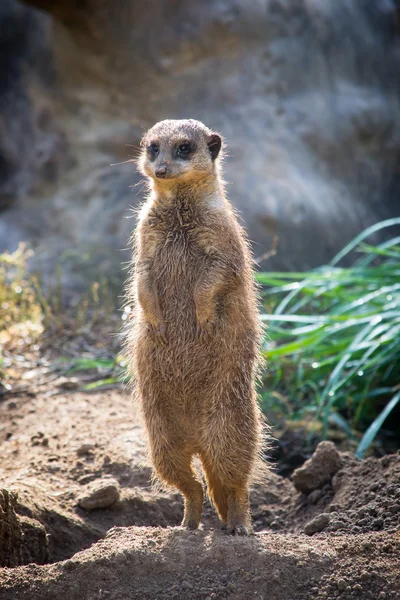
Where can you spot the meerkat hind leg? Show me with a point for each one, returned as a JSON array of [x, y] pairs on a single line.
[[231, 501], [239, 521], [217, 492], [174, 467]]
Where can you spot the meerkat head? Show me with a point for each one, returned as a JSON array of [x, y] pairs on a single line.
[[179, 151]]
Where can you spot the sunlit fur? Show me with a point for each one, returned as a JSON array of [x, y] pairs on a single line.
[[193, 346]]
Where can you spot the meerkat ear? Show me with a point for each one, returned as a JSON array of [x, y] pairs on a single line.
[[214, 145]]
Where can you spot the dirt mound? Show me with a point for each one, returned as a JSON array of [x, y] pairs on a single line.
[[22, 540], [340, 539], [173, 564]]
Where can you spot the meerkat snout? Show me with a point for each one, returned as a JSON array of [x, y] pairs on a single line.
[[161, 172]]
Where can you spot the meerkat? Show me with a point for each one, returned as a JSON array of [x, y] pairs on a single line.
[[195, 338]]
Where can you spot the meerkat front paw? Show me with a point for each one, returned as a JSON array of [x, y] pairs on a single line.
[[191, 524]]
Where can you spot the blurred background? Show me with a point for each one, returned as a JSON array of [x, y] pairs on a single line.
[[306, 94]]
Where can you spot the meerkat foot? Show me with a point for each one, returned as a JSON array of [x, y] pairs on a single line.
[[190, 525], [239, 529]]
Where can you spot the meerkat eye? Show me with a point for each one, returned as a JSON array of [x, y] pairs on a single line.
[[183, 149], [154, 148]]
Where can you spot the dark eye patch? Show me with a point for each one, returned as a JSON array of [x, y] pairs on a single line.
[[153, 150], [184, 149]]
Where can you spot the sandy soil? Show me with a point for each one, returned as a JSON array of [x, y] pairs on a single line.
[[63, 450]]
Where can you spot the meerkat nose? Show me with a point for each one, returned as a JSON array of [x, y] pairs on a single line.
[[161, 172]]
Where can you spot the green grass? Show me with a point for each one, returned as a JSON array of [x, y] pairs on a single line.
[[333, 339], [108, 371]]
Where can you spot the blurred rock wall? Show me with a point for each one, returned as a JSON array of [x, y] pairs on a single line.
[[305, 92]]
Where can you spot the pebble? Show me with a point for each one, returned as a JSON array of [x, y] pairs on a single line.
[[186, 585], [314, 496], [317, 524], [100, 494], [341, 585], [85, 449], [335, 525], [68, 384]]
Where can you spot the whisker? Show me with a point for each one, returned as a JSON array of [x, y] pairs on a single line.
[[122, 163]]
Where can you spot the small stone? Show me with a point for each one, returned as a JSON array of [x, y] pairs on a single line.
[[68, 384], [231, 587], [335, 525], [186, 585], [382, 595], [314, 496], [12, 405], [85, 449], [318, 469], [100, 494], [317, 524], [341, 585], [53, 468], [377, 523], [69, 565]]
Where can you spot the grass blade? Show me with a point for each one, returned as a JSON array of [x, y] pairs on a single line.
[[375, 426]]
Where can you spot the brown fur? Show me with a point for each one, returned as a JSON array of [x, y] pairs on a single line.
[[194, 343]]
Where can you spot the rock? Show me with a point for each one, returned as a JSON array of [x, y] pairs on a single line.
[[318, 469], [100, 494], [317, 524], [186, 585], [341, 585], [68, 384], [85, 449], [314, 496]]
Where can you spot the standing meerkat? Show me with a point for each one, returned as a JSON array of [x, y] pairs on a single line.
[[195, 338]]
